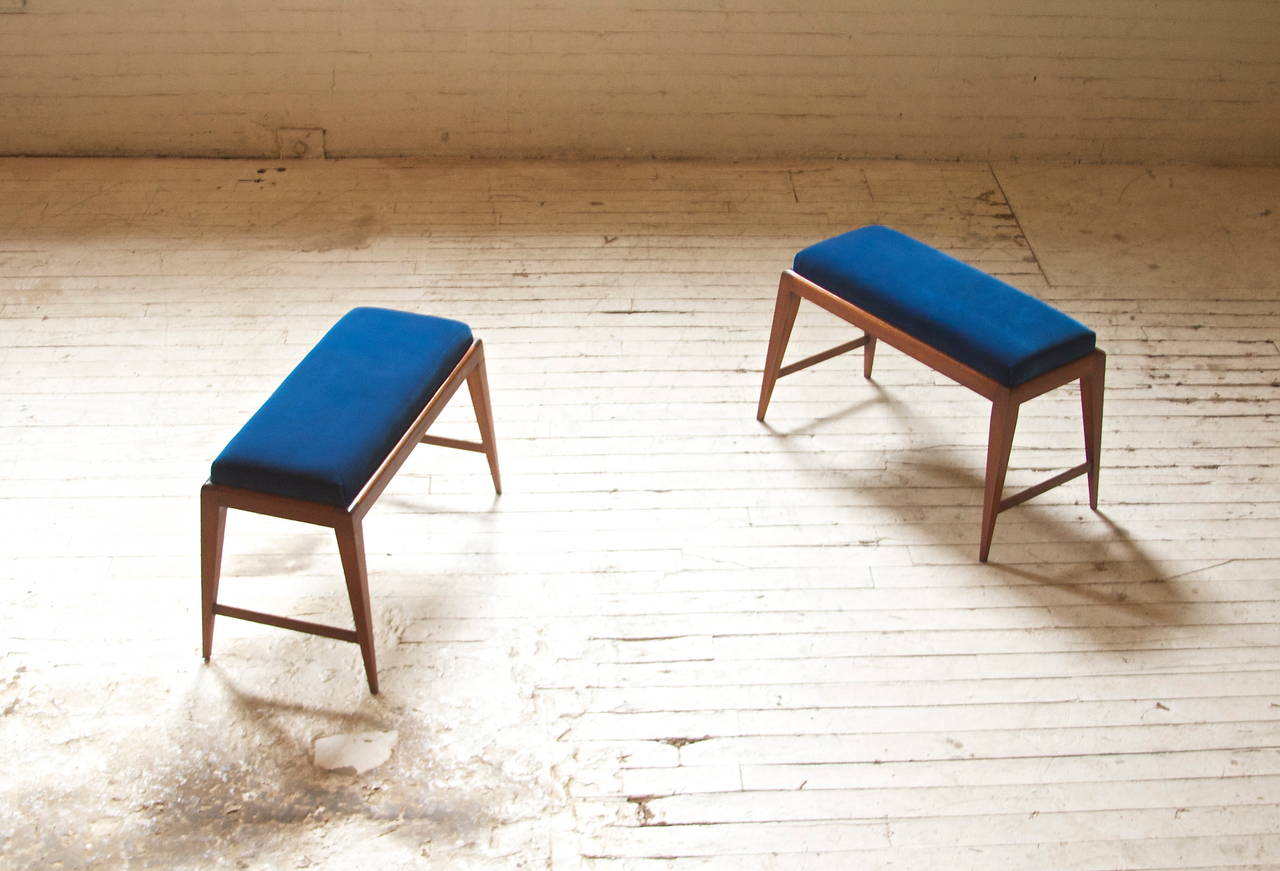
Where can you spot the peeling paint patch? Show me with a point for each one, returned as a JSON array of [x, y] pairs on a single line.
[[354, 754]]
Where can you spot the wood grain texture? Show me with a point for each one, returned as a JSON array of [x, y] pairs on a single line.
[[1119, 81]]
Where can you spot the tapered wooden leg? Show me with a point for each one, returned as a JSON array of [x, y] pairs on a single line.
[[213, 526], [351, 548], [868, 356], [478, 385], [1091, 391], [784, 317], [1004, 420]]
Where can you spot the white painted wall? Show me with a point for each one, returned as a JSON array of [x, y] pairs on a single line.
[[1090, 80]]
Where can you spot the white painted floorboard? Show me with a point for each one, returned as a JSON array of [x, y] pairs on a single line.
[[681, 639]]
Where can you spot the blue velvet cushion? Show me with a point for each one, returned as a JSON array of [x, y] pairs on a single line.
[[332, 422], [979, 320]]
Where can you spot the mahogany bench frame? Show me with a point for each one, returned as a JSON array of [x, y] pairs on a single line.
[[1089, 369], [215, 499]]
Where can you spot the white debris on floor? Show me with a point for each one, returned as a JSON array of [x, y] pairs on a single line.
[[354, 754]]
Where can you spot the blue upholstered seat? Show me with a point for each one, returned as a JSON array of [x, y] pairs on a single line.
[[977, 319], [334, 419]]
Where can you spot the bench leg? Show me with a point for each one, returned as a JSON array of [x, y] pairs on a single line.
[[1091, 390], [351, 548], [868, 355], [478, 386], [213, 527], [784, 317], [1004, 420]]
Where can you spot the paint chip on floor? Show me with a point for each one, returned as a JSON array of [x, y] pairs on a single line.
[[354, 754]]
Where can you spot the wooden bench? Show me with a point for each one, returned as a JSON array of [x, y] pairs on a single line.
[[987, 335], [326, 443]]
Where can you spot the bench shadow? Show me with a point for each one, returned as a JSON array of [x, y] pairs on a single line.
[[267, 710], [882, 397], [1144, 592], [1150, 597]]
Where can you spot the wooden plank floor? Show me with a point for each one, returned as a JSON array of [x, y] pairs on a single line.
[[681, 639]]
